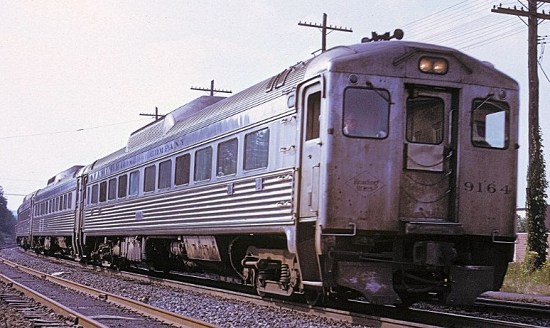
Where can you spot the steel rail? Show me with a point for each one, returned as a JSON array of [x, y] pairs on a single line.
[[151, 311], [53, 305]]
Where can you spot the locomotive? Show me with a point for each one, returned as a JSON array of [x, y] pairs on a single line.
[[383, 170]]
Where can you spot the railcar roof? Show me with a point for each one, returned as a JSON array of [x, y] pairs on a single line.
[[206, 110]]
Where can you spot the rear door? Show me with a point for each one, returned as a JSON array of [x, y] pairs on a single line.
[[428, 176]]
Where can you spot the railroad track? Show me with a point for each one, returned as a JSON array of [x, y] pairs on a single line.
[[96, 309], [355, 314]]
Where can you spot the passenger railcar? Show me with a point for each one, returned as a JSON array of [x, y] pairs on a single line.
[[385, 170]]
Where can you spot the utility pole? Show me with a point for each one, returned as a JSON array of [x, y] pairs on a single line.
[[211, 89], [536, 176], [324, 28], [532, 63], [156, 115]]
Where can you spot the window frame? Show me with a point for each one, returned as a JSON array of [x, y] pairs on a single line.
[[221, 162], [134, 183], [164, 181], [122, 189], [247, 151], [149, 178], [185, 162], [384, 131], [205, 167], [482, 143], [112, 192], [94, 194]]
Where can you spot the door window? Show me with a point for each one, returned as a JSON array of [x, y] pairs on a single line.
[[313, 112], [425, 120]]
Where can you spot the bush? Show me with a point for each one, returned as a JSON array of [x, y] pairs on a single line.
[[521, 278]]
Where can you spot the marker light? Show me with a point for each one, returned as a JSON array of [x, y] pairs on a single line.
[[433, 65]]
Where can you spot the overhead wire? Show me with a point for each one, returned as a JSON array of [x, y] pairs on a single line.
[[68, 131], [469, 33], [452, 14], [465, 30]]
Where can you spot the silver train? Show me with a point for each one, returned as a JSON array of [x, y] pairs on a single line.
[[385, 170]]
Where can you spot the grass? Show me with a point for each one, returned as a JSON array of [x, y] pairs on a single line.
[[519, 279]]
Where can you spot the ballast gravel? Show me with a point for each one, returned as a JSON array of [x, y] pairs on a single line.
[[220, 311]]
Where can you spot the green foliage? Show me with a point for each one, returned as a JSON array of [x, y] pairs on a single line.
[[7, 220], [520, 279], [536, 201]]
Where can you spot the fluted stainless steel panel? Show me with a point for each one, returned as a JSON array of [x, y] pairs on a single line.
[[209, 207]]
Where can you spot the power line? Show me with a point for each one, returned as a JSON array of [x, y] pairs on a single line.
[[67, 131]]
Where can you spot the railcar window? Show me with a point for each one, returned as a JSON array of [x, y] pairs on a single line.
[[95, 193], [203, 164], [149, 178], [183, 166], [227, 157], [256, 149], [165, 174], [70, 200], [103, 191], [122, 186], [134, 183], [366, 113], [313, 112], [425, 120], [490, 124], [112, 189]]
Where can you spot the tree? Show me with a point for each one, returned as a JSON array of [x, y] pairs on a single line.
[[7, 220], [536, 201]]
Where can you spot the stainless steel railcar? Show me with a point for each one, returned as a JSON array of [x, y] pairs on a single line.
[[386, 170]]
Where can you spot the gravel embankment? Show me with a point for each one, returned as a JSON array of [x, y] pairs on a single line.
[[216, 310]]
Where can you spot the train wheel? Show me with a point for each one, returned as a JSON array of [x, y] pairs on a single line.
[[313, 296]]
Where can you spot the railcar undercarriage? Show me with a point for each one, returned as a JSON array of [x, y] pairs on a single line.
[[393, 270], [262, 262]]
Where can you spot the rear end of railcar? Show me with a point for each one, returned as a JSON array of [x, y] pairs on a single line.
[[408, 184]]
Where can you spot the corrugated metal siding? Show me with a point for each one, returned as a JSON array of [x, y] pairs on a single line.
[[209, 206], [60, 224], [22, 227]]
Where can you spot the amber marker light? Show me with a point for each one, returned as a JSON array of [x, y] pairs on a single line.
[[433, 65]]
